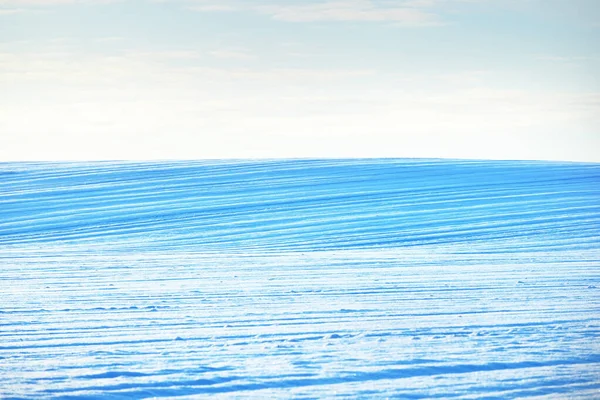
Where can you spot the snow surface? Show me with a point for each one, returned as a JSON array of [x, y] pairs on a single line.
[[300, 278]]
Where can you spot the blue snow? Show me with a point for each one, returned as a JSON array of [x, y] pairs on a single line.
[[364, 278]]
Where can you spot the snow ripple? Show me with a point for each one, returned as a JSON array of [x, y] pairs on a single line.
[[300, 278]]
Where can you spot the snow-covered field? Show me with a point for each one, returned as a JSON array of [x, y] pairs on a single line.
[[300, 278]]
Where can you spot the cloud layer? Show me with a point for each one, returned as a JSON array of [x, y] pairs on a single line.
[[294, 79]]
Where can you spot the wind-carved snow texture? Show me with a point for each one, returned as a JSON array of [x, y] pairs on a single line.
[[301, 278]]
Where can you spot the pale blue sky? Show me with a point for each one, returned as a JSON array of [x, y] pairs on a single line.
[[143, 79]]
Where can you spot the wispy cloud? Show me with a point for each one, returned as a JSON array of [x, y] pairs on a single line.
[[10, 11], [214, 7], [24, 3], [401, 12], [338, 10], [350, 11], [233, 54], [110, 39], [562, 59], [15, 7]]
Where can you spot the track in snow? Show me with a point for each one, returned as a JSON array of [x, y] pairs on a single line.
[[300, 278]]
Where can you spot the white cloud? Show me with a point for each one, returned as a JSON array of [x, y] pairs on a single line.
[[350, 11], [13, 7], [234, 54], [110, 39], [214, 7], [10, 11], [564, 59], [340, 10], [400, 12], [24, 3], [404, 13]]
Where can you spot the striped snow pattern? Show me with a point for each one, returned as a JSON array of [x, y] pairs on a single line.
[[300, 278], [299, 205]]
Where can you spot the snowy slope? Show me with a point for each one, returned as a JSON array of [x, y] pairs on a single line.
[[300, 278]]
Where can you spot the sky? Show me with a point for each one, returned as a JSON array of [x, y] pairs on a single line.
[[195, 79]]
